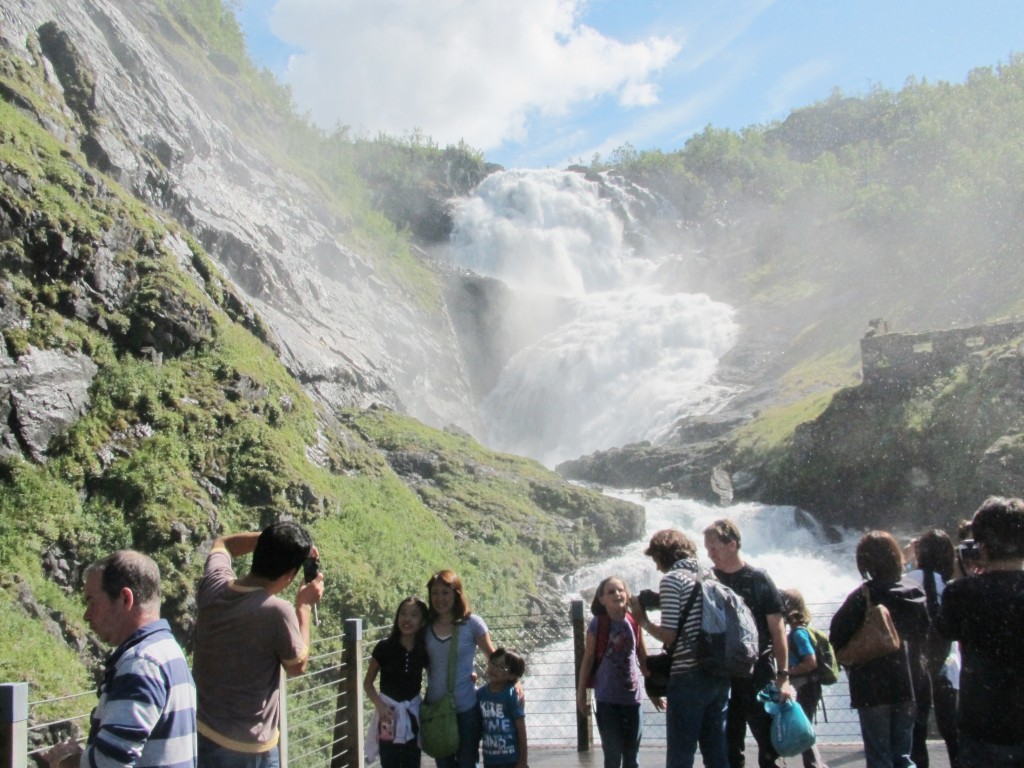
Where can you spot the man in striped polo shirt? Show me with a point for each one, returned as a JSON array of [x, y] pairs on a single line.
[[146, 714]]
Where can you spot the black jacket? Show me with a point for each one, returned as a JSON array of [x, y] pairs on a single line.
[[893, 678]]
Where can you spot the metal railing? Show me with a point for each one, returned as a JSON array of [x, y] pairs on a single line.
[[323, 718]]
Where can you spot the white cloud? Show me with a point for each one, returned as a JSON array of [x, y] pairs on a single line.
[[457, 69]]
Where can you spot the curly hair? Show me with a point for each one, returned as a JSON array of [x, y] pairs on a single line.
[[667, 546]]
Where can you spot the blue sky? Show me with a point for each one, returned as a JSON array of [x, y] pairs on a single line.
[[541, 83]]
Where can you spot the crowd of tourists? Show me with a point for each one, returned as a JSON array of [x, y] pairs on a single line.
[[956, 613], [225, 712], [951, 614]]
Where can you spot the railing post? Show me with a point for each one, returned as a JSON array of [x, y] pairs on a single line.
[[13, 725], [584, 722], [282, 743], [347, 748]]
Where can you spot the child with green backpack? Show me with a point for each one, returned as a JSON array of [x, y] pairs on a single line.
[[805, 672]]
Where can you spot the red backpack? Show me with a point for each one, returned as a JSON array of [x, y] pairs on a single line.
[[603, 629]]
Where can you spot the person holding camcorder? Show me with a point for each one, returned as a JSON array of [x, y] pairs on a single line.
[[984, 612]]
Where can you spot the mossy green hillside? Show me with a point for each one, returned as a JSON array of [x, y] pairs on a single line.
[[195, 428]]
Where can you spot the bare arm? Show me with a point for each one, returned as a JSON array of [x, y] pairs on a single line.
[[372, 669], [659, 633], [586, 667], [780, 645], [485, 644], [238, 544], [307, 596], [521, 741]]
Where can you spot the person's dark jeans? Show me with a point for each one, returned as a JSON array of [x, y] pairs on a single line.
[[944, 699], [696, 716], [471, 726], [888, 734], [744, 710], [406, 755], [620, 728], [923, 696], [210, 754]]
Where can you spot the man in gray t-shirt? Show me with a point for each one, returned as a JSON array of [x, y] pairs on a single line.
[[245, 635]]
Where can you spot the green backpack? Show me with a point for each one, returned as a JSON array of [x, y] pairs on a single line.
[[828, 667]]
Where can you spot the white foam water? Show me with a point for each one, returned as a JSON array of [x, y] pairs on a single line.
[[623, 358]]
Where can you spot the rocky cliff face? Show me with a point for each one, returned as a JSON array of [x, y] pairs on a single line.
[[154, 118]]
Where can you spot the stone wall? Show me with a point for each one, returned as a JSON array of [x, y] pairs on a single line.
[[908, 357]]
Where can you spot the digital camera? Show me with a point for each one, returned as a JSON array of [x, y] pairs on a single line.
[[968, 550], [649, 599], [310, 568]]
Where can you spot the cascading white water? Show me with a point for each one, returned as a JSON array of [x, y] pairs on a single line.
[[623, 358], [796, 556]]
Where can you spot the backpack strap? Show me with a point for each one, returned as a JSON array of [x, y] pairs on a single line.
[[684, 614], [604, 625], [635, 627], [453, 654]]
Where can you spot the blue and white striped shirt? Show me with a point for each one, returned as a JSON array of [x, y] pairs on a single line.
[[146, 716]]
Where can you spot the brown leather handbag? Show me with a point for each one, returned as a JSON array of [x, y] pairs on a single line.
[[876, 637]]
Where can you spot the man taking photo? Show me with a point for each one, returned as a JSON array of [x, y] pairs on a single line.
[[245, 636]]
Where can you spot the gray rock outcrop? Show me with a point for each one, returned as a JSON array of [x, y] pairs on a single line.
[[41, 394], [155, 118]]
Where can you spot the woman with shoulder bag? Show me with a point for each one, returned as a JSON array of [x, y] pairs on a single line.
[[882, 689], [450, 617]]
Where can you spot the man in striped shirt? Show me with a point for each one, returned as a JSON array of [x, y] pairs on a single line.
[[146, 714], [697, 700]]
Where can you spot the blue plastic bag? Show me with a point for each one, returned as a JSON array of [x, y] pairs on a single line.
[[792, 733]]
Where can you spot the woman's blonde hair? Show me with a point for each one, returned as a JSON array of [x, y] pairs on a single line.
[[794, 608]]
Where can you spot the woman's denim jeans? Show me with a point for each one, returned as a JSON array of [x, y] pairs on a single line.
[[888, 734], [697, 704]]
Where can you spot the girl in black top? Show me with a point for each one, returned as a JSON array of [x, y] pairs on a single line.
[[400, 659]]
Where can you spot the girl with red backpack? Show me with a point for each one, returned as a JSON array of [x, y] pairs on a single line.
[[614, 663]]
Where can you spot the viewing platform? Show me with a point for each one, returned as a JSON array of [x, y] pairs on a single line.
[[835, 756]]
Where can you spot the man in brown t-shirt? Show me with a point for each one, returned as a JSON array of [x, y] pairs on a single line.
[[245, 634]]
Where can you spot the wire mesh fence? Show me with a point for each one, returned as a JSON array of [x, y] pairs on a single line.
[[325, 719], [55, 719], [550, 686]]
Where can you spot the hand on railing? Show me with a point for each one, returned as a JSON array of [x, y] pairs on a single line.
[[63, 755]]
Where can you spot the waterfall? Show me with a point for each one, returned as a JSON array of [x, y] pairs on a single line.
[[624, 356]]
